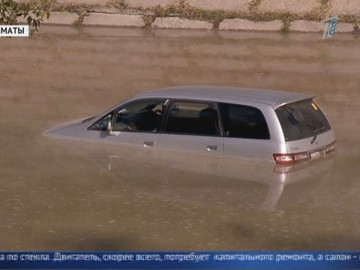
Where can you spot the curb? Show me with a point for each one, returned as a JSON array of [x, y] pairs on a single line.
[[179, 23], [141, 21], [119, 20], [247, 25]]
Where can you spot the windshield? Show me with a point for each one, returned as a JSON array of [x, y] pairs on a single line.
[[302, 120]]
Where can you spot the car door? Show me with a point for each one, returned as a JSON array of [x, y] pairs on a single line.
[[136, 122], [191, 126]]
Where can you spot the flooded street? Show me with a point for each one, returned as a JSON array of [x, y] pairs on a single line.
[[64, 195]]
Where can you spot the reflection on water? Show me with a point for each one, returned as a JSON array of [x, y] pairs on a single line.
[[192, 178], [59, 194]]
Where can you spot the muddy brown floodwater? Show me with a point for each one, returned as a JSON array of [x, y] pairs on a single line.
[[63, 195]]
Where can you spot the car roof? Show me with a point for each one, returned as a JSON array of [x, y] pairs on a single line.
[[228, 94]]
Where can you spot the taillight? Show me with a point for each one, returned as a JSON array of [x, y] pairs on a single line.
[[289, 158], [330, 148]]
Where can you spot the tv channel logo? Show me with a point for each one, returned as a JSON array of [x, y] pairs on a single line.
[[330, 27]]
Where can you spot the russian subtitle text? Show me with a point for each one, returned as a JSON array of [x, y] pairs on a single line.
[[59, 257], [191, 257], [195, 259], [244, 257]]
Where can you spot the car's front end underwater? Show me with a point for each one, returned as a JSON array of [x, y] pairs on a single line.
[[73, 129]]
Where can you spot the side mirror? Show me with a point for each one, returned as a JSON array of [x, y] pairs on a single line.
[[110, 127]]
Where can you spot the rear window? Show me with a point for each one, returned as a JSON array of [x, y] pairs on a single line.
[[301, 120]]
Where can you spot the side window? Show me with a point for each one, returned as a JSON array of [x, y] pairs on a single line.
[[141, 116], [243, 122], [193, 118]]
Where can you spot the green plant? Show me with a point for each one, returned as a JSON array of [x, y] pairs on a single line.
[[253, 4], [148, 20], [33, 13]]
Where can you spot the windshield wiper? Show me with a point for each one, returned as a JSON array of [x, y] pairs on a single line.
[[316, 131]]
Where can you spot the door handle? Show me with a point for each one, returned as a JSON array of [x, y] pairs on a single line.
[[211, 148], [148, 144]]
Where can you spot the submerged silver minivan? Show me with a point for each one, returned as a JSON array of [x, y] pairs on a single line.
[[274, 126]]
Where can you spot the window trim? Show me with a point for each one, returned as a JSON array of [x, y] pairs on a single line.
[[168, 102]]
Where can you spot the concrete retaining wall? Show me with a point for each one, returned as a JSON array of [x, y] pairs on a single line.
[[245, 15]]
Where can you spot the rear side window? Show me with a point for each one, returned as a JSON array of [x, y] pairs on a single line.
[[302, 120], [243, 122], [193, 118]]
